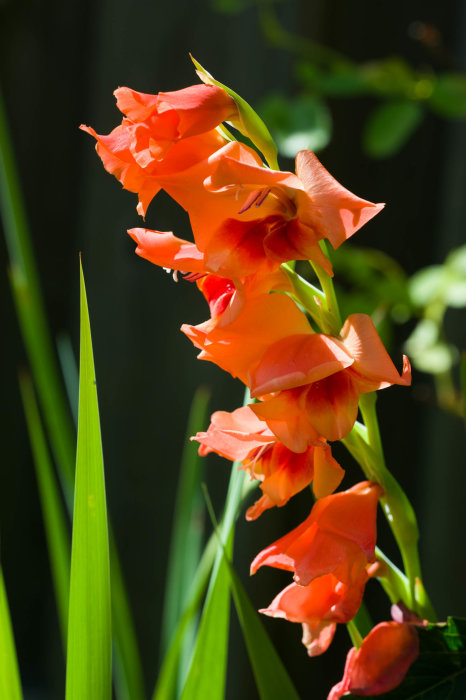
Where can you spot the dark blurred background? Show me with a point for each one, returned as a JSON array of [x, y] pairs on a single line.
[[60, 62]]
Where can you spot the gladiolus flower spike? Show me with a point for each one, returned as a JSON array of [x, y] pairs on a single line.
[[247, 220]]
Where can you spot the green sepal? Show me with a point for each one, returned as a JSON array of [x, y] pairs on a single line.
[[248, 121]]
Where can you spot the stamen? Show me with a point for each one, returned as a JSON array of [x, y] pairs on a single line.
[[250, 200], [193, 276]]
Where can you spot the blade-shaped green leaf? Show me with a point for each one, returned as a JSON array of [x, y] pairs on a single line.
[[207, 674], [53, 509], [272, 679], [10, 685], [249, 122], [127, 667], [168, 674], [440, 670], [39, 347], [188, 522], [30, 308], [88, 673], [390, 126]]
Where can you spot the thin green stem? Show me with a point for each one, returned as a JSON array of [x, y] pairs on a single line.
[[354, 633], [328, 289], [365, 444]]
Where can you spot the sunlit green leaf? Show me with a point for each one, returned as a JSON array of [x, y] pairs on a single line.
[[39, 347], [10, 685], [456, 260], [392, 77], [390, 126], [168, 674], [188, 527], [272, 679], [427, 285], [207, 674], [53, 510], [297, 123], [248, 122], [88, 673]]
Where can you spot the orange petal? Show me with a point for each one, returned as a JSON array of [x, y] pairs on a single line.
[[337, 537], [327, 472], [199, 108], [371, 360], [263, 320], [234, 435], [286, 417], [332, 405], [338, 212], [167, 250], [382, 661], [297, 360]]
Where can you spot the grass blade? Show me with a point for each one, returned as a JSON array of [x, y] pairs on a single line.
[[188, 529], [10, 685], [56, 530], [60, 430], [168, 675], [30, 309], [129, 682], [207, 674], [88, 673], [272, 679]]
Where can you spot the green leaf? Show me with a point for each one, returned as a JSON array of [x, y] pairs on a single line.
[[168, 674], [300, 123], [272, 679], [127, 668], [188, 527], [88, 673], [10, 685], [39, 347], [440, 671], [340, 81], [449, 96], [53, 511], [31, 312], [427, 285], [248, 122], [207, 674], [390, 126]]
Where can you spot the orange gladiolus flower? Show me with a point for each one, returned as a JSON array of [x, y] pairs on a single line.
[[247, 215], [162, 134], [319, 606], [241, 436], [305, 394], [253, 320], [381, 663], [338, 537]]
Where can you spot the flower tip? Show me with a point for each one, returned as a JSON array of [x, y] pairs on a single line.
[[406, 372], [135, 233]]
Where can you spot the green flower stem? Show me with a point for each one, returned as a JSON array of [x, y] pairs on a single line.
[[311, 299], [365, 445], [328, 289], [392, 580], [354, 633], [398, 510]]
